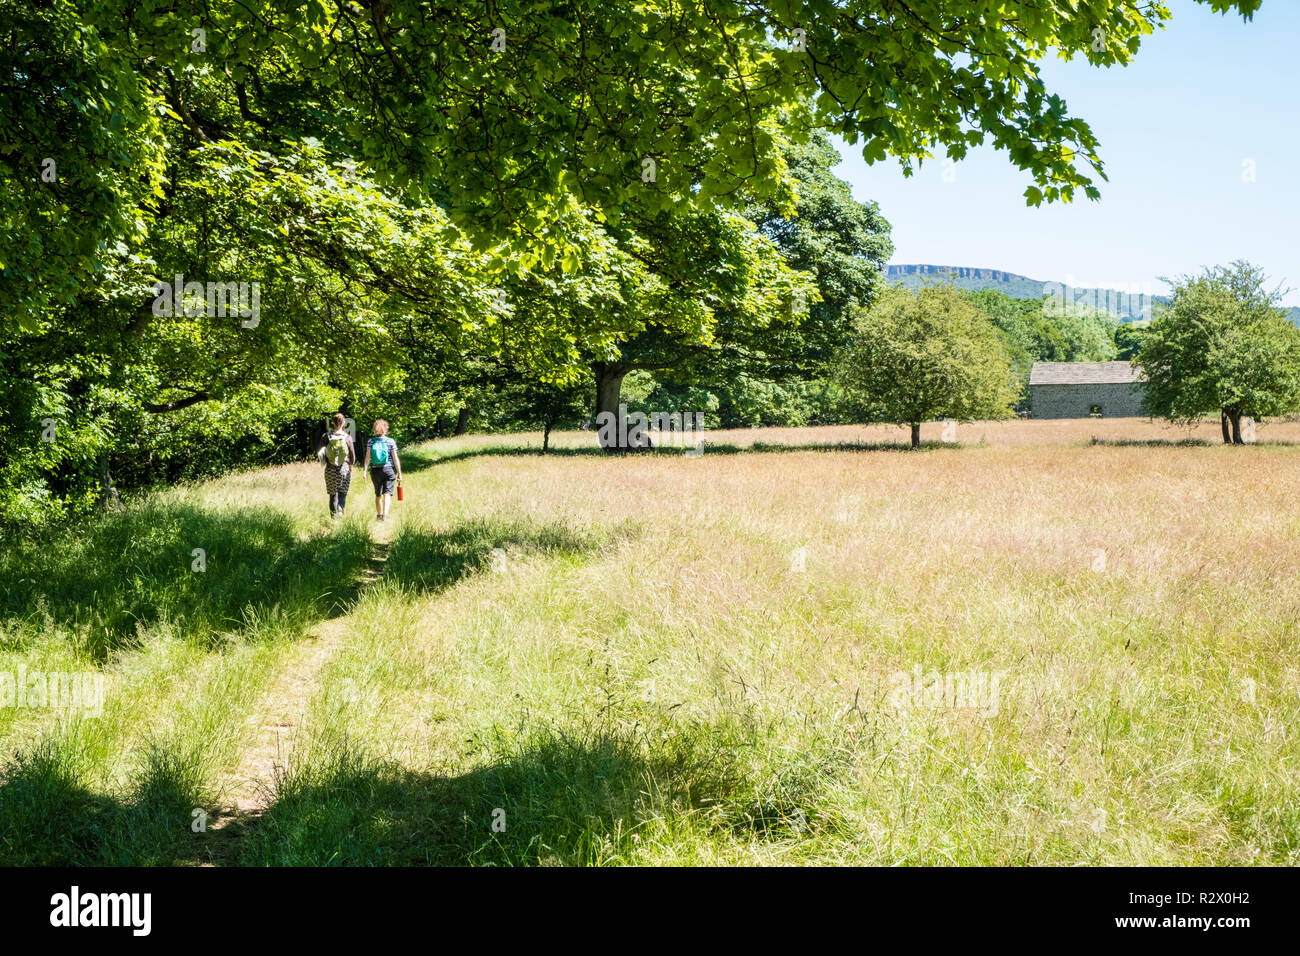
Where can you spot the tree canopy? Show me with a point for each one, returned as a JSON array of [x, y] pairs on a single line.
[[918, 355], [499, 111], [520, 186], [1221, 344]]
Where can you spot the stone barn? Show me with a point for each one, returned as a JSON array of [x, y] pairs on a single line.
[[1085, 389]]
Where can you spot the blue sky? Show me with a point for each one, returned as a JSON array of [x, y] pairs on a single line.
[[1176, 127]]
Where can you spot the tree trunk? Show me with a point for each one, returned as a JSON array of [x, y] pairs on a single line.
[[1236, 427], [916, 434], [1226, 426], [609, 385], [462, 420], [546, 437]]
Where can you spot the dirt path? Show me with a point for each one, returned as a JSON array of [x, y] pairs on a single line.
[[273, 728]]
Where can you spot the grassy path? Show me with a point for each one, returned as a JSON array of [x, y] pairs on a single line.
[[277, 720], [248, 788]]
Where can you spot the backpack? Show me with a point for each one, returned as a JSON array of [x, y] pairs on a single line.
[[336, 453], [379, 451]]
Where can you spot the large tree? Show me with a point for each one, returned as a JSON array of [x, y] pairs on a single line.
[[477, 128], [719, 287], [842, 244], [1221, 344], [775, 373], [341, 271], [919, 355]]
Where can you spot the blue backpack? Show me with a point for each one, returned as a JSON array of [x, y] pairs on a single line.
[[379, 451]]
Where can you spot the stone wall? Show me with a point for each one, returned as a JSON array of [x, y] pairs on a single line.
[[1117, 400]]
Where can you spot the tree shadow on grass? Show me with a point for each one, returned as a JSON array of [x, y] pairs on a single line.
[[427, 560], [560, 800], [48, 818], [1183, 443], [140, 567], [1150, 442], [569, 796], [710, 448], [414, 461], [255, 576]]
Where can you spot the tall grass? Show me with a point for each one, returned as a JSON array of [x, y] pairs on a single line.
[[579, 659], [209, 572]]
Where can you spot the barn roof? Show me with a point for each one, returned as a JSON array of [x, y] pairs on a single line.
[[1083, 373]]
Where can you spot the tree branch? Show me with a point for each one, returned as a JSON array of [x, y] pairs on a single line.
[[159, 407]]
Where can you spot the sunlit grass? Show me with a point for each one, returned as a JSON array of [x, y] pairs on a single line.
[[654, 659]]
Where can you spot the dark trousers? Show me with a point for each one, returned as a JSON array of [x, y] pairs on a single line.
[[338, 501]]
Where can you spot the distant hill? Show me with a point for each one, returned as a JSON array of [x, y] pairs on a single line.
[[964, 272], [1129, 307], [965, 277]]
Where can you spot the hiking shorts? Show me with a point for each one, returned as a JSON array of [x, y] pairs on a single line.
[[385, 479]]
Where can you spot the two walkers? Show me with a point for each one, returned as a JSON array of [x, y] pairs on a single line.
[[382, 464]]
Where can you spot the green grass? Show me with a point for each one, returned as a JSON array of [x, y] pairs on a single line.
[[589, 660], [137, 570]]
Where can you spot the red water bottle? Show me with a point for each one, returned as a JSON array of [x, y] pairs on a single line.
[[399, 491]]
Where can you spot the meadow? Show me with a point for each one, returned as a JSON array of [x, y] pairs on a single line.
[[1045, 643]]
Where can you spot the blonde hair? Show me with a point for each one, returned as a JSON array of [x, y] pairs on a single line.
[[381, 427]]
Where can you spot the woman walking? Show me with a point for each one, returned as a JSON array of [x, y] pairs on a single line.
[[384, 467], [339, 455]]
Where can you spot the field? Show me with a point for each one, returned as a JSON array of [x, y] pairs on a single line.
[[1020, 648]]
